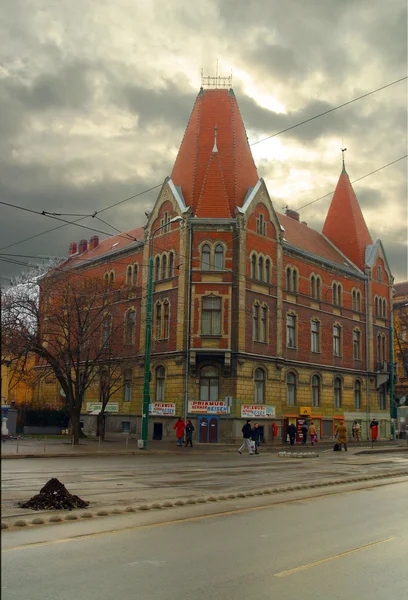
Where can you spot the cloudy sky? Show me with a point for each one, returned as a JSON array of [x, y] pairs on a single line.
[[95, 97]]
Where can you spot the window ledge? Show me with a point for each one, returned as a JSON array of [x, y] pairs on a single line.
[[259, 342], [211, 335], [291, 347]]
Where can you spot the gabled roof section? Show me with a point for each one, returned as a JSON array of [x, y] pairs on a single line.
[[213, 200], [215, 109], [299, 235], [374, 250], [345, 226]]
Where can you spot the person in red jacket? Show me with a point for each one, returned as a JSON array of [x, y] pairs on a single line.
[[179, 428]]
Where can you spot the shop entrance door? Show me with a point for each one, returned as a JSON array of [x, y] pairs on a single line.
[[213, 430], [203, 430]]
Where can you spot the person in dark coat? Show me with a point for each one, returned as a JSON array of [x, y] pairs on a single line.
[[256, 437], [292, 433], [305, 429], [374, 429], [189, 433], [247, 435]]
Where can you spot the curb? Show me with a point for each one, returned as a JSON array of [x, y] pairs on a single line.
[[167, 504]]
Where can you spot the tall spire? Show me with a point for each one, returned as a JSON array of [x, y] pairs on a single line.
[[343, 150], [345, 226], [228, 142]]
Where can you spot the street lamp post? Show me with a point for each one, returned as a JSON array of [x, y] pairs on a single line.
[[392, 405], [148, 336]]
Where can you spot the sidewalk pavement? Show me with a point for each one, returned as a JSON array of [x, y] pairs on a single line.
[[54, 448]]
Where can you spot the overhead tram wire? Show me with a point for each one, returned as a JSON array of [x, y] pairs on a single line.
[[161, 184]]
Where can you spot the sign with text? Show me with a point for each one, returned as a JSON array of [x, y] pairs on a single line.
[[112, 407], [305, 411], [258, 411], [162, 409], [200, 407]]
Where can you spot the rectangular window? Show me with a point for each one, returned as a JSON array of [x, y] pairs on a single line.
[[291, 331], [315, 332], [166, 319], [128, 385], [336, 340], [383, 397], [158, 321], [255, 322], [356, 344], [211, 316], [125, 426]]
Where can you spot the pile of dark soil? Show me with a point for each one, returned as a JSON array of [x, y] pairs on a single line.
[[54, 495]]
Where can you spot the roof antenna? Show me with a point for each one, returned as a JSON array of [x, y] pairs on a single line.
[[343, 150], [215, 149]]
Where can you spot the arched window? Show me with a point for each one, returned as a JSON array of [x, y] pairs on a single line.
[[157, 269], [384, 308], [334, 293], [160, 379], [135, 274], [336, 340], [205, 257], [219, 257], [253, 266], [106, 329], [291, 331], [158, 321], [209, 382], [313, 286], [112, 277], [295, 280], [106, 279], [357, 394], [291, 389], [353, 299], [358, 301], [268, 270], [129, 275], [259, 397], [164, 266], [255, 322], [337, 392], [288, 278], [127, 380], [166, 318], [315, 390], [171, 264], [356, 344], [130, 325], [318, 288], [260, 269]]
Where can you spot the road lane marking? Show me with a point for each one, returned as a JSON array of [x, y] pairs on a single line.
[[237, 510], [335, 557]]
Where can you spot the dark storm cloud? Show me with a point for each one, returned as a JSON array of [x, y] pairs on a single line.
[[168, 104]]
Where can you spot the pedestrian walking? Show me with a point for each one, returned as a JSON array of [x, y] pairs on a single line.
[[179, 428], [341, 435], [374, 429], [247, 435], [274, 431], [304, 429], [292, 433], [189, 433], [313, 433], [256, 437], [356, 431]]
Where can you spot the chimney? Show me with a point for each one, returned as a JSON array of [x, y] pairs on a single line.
[[83, 246], [292, 214], [93, 242], [72, 248]]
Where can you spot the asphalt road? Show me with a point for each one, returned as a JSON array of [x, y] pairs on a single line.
[[348, 545], [123, 480]]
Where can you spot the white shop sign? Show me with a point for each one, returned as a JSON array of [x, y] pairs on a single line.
[[201, 407], [258, 411], [162, 409]]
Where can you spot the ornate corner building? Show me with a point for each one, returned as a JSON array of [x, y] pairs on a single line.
[[252, 309]]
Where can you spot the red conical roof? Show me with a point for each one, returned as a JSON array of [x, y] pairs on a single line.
[[233, 164], [345, 226]]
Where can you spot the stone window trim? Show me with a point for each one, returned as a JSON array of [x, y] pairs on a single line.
[[291, 330], [356, 300], [316, 286], [337, 340], [261, 225], [109, 277], [211, 317], [162, 319], [260, 322], [337, 293], [380, 307], [129, 336], [261, 266], [163, 265], [214, 253], [132, 274], [291, 381], [356, 343], [292, 279], [316, 349]]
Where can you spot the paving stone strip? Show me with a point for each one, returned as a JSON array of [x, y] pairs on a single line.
[[6, 524]]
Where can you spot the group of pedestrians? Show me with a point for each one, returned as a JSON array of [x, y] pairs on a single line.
[[180, 427], [306, 430], [252, 438]]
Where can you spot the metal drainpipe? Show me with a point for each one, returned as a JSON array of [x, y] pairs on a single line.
[[367, 361], [187, 371]]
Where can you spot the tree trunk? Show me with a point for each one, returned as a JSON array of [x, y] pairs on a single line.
[[100, 431], [75, 429]]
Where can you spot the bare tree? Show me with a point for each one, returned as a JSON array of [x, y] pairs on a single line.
[[74, 326]]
